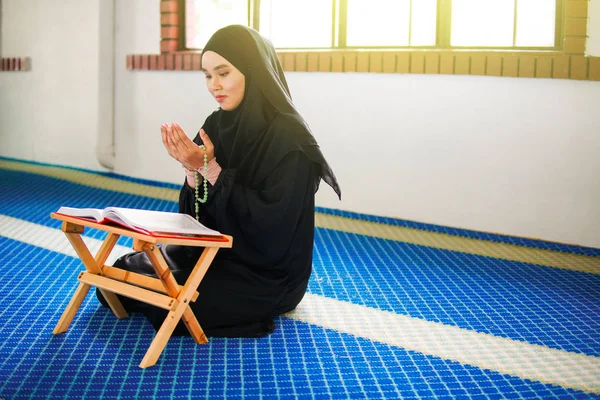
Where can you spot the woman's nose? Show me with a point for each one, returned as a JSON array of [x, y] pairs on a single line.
[[215, 83]]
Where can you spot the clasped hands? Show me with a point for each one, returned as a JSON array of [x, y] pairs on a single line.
[[183, 149]]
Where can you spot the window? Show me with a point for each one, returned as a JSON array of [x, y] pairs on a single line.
[[518, 23], [347, 24], [282, 20], [391, 23], [204, 17]]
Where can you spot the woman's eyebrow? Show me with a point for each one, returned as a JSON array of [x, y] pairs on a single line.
[[218, 67]]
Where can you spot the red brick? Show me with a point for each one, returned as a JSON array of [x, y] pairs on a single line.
[[197, 62], [169, 19], [595, 68], [179, 62], [169, 61], [168, 46], [169, 6], [169, 32], [187, 62]]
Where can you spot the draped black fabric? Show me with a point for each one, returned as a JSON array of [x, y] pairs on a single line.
[[247, 139], [263, 197]]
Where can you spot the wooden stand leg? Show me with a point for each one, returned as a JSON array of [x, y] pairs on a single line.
[[183, 309], [72, 307], [115, 304], [111, 298], [190, 287], [161, 338], [193, 326], [93, 264], [172, 288]]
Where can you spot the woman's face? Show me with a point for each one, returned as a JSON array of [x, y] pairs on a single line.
[[224, 81]]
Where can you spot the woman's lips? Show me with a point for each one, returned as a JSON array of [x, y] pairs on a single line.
[[220, 98]]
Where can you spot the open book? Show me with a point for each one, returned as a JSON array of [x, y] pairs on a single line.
[[154, 223]]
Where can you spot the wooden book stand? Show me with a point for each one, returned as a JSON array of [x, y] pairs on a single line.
[[164, 292]]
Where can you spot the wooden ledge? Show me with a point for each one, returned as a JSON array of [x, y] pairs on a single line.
[[525, 64]]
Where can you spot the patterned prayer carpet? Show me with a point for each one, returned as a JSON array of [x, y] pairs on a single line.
[[395, 309]]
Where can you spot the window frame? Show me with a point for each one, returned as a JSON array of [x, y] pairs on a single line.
[[567, 61], [443, 30]]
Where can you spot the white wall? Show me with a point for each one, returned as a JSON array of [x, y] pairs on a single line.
[[593, 43], [55, 112], [515, 156]]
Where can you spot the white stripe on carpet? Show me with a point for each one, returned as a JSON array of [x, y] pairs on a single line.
[[528, 361], [507, 356], [51, 239]]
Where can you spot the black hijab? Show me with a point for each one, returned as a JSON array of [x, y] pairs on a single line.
[[266, 126]]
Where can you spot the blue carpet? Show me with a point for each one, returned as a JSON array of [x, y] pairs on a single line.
[[97, 357], [93, 359]]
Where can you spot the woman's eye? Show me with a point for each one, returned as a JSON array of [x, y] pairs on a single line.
[[223, 74], [207, 76]]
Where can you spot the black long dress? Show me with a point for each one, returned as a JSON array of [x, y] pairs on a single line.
[[237, 296], [263, 197]]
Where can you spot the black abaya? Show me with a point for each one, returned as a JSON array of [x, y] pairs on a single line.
[[237, 296]]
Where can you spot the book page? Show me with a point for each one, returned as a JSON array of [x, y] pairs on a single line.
[[159, 222], [89, 213]]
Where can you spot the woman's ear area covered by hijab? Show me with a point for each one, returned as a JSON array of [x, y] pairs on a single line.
[[223, 80]]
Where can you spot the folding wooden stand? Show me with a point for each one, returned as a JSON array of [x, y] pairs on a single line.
[[163, 292]]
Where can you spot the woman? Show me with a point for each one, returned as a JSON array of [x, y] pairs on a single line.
[[263, 168]]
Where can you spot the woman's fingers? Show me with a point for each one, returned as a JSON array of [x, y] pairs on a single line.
[[189, 153], [205, 139], [181, 140], [210, 148], [170, 144], [163, 134]]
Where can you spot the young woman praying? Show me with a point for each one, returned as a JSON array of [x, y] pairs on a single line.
[[252, 173]]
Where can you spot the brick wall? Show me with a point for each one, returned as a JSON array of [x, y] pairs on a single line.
[[14, 64], [171, 24]]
